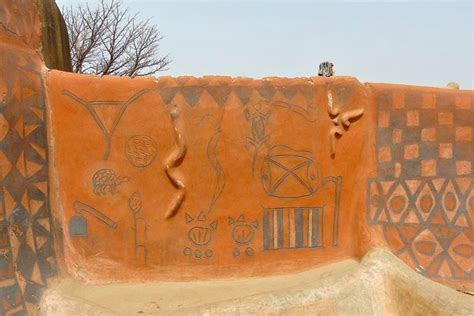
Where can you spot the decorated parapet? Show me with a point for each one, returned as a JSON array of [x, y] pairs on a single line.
[[223, 167], [421, 195], [116, 179]]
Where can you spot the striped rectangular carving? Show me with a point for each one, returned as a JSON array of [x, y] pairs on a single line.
[[292, 227]]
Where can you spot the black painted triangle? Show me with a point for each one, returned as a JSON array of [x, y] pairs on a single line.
[[191, 94], [266, 92], [31, 118], [243, 93], [343, 94], [444, 234], [42, 213], [219, 93], [32, 155], [34, 193], [167, 94], [308, 92], [289, 93], [39, 230], [25, 260], [33, 291]]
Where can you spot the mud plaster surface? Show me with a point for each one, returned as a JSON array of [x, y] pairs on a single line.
[[378, 285]]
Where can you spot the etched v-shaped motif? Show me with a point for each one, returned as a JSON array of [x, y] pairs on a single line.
[[100, 112]]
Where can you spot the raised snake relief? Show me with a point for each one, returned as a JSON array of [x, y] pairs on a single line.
[[171, 162], [341, 120]]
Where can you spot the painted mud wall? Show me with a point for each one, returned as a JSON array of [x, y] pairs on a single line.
[[422, 194], [27, 256], [217, 177], [198, 178]]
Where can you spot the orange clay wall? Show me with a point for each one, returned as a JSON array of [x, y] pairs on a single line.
[[212, 177], [180, 178], [117, 179], [27, 249]]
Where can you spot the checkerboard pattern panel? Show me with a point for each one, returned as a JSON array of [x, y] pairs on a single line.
[[423, 195], [424, 135]]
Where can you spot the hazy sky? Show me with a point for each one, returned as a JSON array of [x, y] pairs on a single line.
[[423, 43]]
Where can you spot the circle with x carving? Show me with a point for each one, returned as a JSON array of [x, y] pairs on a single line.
[[287, 173]]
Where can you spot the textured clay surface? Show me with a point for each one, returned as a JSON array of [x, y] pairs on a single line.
[[136, 180], [204, 177]]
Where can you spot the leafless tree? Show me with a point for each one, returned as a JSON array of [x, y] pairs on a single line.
[[109, 40]]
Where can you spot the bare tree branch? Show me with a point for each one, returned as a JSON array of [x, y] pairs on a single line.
[[109, 40]]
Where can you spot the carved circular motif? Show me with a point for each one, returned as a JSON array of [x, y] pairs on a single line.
[[187, 251], [141, 150], [197, 254], [209, 253], [249, 251], [236, 252]]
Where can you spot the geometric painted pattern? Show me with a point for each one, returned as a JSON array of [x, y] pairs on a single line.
[[421, 136], [191, 95], [293, 228], [27, 258], [423, 195], [216, 94], [428, 223]]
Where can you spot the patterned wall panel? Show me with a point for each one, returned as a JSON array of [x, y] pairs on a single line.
[[423, 196], [27, 257]]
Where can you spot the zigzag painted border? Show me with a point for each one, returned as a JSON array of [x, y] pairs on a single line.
[[26, 238]]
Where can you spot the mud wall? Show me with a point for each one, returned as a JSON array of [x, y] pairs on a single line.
[[216, 177], [179, 178], [205, 177], [27, 256]]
